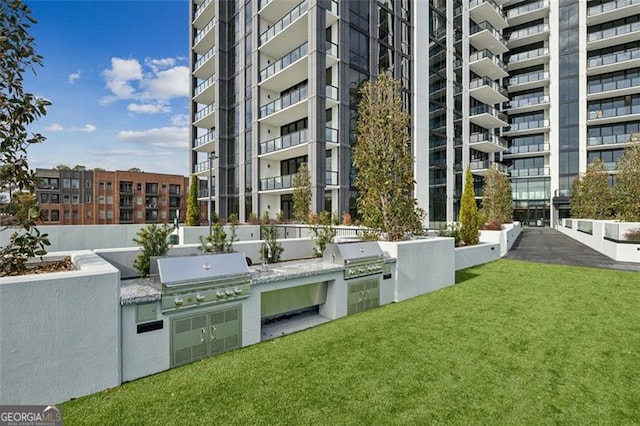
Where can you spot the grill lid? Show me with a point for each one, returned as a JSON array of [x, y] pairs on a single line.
[[345, 253], [177, 270]]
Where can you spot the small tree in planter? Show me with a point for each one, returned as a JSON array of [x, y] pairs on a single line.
[[323, 234], [218, 242], [193, 208], [591, 194], [469, 218], [627, 185], [301, 194], [271, 250], [497, 199], [154, 240]]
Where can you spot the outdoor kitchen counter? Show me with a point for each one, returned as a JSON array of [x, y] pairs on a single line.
[[138, 290], [290, 270]]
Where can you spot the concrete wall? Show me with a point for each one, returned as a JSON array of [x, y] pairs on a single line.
[[422, 266], [60, 332], [622, 252], [505, 237], [467, 257], [191, 234]]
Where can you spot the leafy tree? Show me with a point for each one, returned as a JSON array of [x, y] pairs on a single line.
[[383, 161], [497, 200], [135, 169], [301, 194], [271, 249], [591, 194], [62, 167], [79, 167], [18, 109], [155, 242], [627, 185], [469, 218], [193, 208], [98, 169]]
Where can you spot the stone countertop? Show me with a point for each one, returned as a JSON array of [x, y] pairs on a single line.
[[290, 270], [138, 290]]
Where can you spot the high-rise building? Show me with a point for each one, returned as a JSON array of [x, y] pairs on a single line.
[[534, 88]]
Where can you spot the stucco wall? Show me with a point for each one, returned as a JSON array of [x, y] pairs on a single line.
[[467, 257]]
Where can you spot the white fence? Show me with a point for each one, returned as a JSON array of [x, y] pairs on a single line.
[[613, 239]]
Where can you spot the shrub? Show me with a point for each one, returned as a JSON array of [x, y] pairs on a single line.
[[218, 242], [271, 250], [452, 230], [632, 235], [346, 218], [155, 242], [492, 225], [253, 219], [313, 218]]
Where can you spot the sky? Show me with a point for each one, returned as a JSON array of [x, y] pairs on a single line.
[[117, 74]]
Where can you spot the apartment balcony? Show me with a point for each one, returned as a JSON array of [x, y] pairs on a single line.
[[528, 59], [528, 12], [206, 117], [486, 64], [613, 36], [293, 66], [488, 10], [206, 142], [535, 103], [610, 11], [206, 37], [286, 109], [205, 65], [482, 167], [617, 61], [613, 89], [284, 147], [613, 115], [612, 141], [203, 13], [332, 96], [527, 150], [534, 80], [536, 171], [526, 128], [287, 32], [203, 194], [205, 92], [276, 183], [485, 36], [331, 51], [528, 35], [487, 142], [202, 169], [331, 178], [487, 91], [487, 116]]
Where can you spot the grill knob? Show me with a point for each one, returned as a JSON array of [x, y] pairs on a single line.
[[178, 301], [199, 297], [229, 292], [220, 294], [361, 270], [237, 290]]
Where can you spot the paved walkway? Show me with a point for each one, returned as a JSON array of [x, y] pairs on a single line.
[[547, 245]]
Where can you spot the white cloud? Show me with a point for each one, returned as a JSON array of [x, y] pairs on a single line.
[[88, 128], [73, 77], [167, 84], [158, 64], [162, 137], [55, 127], [119, 78], [180, 120], [149, 108]]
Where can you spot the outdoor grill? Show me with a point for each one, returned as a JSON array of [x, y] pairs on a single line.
[[360, 258], [194, 281]]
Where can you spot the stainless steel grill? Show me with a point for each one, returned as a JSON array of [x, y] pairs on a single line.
[[361, 258], [194, 281]]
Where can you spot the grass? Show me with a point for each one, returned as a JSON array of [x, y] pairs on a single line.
[[511, 343]]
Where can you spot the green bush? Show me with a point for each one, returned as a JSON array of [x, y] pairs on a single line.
[[154, 240]]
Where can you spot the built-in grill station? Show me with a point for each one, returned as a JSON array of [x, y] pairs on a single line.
[[194, 281]]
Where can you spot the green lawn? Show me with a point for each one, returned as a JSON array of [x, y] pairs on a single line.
[[511, 343]]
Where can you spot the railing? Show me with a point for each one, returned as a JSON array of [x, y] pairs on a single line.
[[585, 226], [331, 135], [201, 167], [204, 112], [514, 127], [487, 164], [485, 81], [332, 49], [294, 14], [284, 62], [283, 102], [528, 78], [201, 7], [609, 140], [535, 100], [204, 193], [474, 3], [613, 32], [331, 178], [206, 138], [333, 7], [517, 11], [487, 109], [525, 149], [331, 92], [612, 58], [203, 32], [277, 182], [525, 32], [613, 85], [286, 141], [204, 58], [487, 54], [534, 171], [202, 86], [613, 112], [263, 3], [531, 54], [612, 5], [485, 25], [487, 137]]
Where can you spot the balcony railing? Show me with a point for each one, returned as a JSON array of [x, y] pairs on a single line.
[[331, 177], [487, 109], [613, 112], [204, 58], [525, 149], [517, 11], [331, 135], [613, 32], [332, 92], [202, 167], [610, 139], [202, 86], [531, 54], [525, 32], [203, 32], [536, 171], [202, 6], [487, 164], [204, 193], [485, 81], [263, 3], [485, 25], [613, 85], [528, 78], [474, 3], [609, 6], [613, 58], [535, 100], [487, 54], [332, 49], [277, 182], [283, 102], [526, 125], [206, 138], [284, 62], [294, 14], [286, 141], [205, 111], [487, 136]]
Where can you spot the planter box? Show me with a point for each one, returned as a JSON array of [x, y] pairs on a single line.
[[506, 237], [467, 257]]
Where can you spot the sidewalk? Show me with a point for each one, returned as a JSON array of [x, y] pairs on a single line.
[[547, 245]]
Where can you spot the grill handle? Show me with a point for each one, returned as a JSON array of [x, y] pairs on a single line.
[[202, 331], [212, 332]]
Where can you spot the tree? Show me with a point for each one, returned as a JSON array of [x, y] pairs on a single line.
[[79, 167], [591, 194], [18, 109], [301, 194], [135, 169], [383, 161], [627, 185], [193, 208], [62, 167], [497, 200], [469, 218], [154, 240]]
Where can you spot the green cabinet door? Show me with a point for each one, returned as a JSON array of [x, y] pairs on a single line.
[[188, 339], [225, 330], [363, 295]]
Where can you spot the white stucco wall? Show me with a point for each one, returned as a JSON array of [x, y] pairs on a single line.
[[467, 257], [505, 237], [60, 333], [622, 252]]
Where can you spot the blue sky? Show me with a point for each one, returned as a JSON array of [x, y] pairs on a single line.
[[117, 73]]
